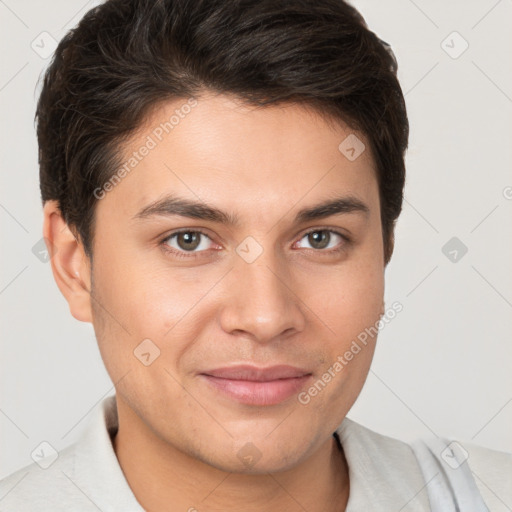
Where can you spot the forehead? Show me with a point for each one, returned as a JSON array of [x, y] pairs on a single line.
[[215, 148]]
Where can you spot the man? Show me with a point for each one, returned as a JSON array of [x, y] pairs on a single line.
[[220, 182]]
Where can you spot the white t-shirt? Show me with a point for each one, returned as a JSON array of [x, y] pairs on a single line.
[[384, 474]]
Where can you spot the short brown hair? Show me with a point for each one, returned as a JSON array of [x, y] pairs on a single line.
[[125, 56]]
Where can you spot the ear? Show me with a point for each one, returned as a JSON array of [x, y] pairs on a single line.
[[70, 265], [390, 248]]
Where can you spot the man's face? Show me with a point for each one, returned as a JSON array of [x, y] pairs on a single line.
[[260, 292]]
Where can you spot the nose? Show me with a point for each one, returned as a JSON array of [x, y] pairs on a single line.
[[261, 301]]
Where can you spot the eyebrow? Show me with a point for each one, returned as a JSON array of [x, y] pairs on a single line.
[[178, 206]]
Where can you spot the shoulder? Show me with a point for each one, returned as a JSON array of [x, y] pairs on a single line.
[[379, 448], [382, 470], [83, 476], [492, 471], [43, 485], [387, 463]]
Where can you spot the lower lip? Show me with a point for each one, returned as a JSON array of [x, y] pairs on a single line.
[[258, 393]]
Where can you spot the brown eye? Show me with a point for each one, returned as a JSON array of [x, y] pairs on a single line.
[[185, 241], [319, 239], [322, 239], [188, 240]]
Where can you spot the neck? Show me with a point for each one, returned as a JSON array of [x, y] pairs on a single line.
[[159, 475]]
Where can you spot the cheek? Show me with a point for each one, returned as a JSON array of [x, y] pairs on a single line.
[[351, 299], [130, 305], [163, 302], [145, 298], [358, 305], [351, 308], [352, 312], [149, 304]]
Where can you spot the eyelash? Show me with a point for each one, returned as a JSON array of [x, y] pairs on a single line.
[[185, 255]]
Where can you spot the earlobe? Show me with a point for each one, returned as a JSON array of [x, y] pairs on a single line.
[[70, 265]]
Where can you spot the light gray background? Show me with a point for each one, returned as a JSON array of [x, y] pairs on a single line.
[[442, 365]]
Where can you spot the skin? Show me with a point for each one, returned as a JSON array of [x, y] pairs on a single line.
[[178, 437]]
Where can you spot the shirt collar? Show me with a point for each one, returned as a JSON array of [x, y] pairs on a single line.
[[97, 471], [377, 479]]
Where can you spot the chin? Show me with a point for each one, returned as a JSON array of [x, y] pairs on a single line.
[[263, 466], [253, 458]]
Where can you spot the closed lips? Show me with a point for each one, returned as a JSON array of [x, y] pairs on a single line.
[[255, 374]]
